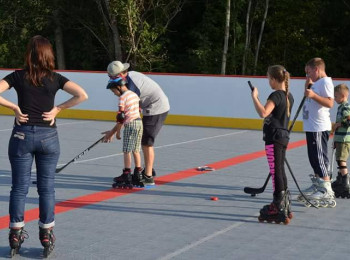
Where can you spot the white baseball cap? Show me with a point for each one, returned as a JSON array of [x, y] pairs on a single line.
[[115, 67]]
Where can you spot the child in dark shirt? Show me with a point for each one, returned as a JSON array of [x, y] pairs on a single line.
[[276, 113]]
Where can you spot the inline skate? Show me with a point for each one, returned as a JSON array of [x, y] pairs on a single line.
[[323, 197], [47, 239], [123, 181], [278, 211], [312, 189], [16, 238], [137, 177], [341, 186]]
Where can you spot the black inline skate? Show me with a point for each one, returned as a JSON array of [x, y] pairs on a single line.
[[341, 186], [16, 238], [137, 177], [47, 239], [278, 211], [123, 181]]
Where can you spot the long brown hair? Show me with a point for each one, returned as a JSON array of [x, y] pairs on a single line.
[[279, 73], [39, 59]]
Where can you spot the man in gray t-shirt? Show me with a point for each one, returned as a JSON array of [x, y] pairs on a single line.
[[155, 106]]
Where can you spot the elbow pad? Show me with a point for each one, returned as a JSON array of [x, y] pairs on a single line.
[[121, 117]]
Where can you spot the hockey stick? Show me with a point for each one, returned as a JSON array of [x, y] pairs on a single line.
[[254, 191], [296, 183], [331, 168], [79, 155]]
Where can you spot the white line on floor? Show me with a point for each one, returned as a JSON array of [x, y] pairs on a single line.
[[163, 146], [202, 240]]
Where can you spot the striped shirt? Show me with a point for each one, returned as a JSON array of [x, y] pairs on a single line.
[[129, 103], [342, 134]]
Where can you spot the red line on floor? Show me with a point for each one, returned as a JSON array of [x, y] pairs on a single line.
[[97, 197]]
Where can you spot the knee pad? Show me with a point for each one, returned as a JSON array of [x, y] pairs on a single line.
[[341, 166]]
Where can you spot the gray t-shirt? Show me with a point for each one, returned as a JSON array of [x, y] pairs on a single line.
[[153, 101]]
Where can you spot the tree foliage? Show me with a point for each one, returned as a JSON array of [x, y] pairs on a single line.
[[183, 36]]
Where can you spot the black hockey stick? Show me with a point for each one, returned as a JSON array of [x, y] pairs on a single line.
[[331, 168], [254, 191], [296, 183], [79, 155]]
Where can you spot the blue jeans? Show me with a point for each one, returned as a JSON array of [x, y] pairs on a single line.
[[27, 143]]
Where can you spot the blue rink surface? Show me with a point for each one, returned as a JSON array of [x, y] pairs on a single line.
[[177, 219]]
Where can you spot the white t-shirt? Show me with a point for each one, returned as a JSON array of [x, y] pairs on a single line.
[[316, 118]]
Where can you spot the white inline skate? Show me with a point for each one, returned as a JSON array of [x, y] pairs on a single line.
[[312, 189], [323, 197]]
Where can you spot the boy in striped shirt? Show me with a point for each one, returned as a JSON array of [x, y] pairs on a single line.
[[129, 117], [342, 141]]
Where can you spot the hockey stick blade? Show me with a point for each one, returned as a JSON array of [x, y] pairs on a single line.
[[79, 155], [254, 191]]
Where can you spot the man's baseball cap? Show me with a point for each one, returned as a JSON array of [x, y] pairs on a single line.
[[115, 67]]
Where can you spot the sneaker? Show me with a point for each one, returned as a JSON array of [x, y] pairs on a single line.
[[147, 181], [153, 172]]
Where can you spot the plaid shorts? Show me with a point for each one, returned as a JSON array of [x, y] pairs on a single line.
[[132, 135]]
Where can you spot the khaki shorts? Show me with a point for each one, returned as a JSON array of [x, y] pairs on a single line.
[[342, 151]]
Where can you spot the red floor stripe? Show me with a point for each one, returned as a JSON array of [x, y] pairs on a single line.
[[75, 203]]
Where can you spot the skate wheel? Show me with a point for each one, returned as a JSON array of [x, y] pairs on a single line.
[[286, 221], [261, 220], [290, 215], [13, 252], [316, 203], [47, 251], [323, 204], [332, 203], [307, 204]]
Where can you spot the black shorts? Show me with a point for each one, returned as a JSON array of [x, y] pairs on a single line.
[[151, 128]]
